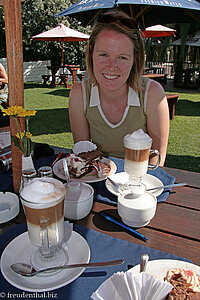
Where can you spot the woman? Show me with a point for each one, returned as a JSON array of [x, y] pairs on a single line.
[[117, 100]]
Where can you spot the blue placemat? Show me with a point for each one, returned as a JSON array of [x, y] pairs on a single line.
[[103, 247], [103, 195]]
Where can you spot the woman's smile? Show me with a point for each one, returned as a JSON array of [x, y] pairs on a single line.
[[110, 77]]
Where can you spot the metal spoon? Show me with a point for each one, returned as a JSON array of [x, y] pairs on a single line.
[[167, 186], [144, 261], [66, 170], [115, 185], [29, 271]]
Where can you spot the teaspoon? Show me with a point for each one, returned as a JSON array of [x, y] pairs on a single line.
[[27, 270]]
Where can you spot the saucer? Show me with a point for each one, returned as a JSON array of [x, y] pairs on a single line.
[[148, 180], [17, 251]]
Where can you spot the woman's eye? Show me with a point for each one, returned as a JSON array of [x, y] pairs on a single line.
[[103, 54], [123, 58]]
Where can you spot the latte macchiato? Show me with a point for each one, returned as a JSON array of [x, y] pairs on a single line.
[[43, 202], [137, 147]]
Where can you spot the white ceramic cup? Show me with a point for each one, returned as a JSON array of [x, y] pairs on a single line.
[[136, 211]]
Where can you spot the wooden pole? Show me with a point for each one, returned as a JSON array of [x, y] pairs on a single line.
[[14, 50]]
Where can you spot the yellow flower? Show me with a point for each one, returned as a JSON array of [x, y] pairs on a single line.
[[20, 135], [28, 135], [18, 111], [22, 140], [13, 110]]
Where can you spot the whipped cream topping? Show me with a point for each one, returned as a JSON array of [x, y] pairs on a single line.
[[189, 276], [43, 190], [138, 140], [76, 162]]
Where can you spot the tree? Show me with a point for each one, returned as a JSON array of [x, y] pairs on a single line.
[[37, 17]]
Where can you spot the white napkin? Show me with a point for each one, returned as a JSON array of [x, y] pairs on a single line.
[[132, 286]]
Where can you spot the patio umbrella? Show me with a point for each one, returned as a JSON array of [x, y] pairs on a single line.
[[158, 31], [146, 13], [61, 33]]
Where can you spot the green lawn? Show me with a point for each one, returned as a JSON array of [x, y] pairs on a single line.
[[51, 124]]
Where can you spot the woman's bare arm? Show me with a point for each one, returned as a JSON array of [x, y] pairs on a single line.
[[78, 120], [3, 75], [158, 120]]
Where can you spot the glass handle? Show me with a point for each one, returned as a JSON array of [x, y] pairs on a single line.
[[153, 167], [45, 249]]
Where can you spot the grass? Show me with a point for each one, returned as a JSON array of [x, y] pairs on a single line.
[[51, 123]]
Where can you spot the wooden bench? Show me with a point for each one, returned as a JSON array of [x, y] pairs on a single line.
[[172, 100], [62, 79]]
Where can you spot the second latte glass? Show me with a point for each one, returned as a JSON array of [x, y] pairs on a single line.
[[137, 147]]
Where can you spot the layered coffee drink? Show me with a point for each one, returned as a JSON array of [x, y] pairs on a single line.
[[43, 202], [137, 147]]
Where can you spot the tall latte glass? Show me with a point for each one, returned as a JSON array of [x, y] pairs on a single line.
[[43, 202], [137, 147]]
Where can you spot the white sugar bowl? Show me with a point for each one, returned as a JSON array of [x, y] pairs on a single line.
[[78, 200], [136, 211]]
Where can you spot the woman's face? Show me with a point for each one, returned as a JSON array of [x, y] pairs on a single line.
[[112, 59]]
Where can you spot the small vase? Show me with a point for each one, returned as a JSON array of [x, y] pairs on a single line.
[[27, 162]]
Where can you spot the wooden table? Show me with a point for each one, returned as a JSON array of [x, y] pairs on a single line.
[[73, 70], [174, 229], [63, 77], [172, 99]]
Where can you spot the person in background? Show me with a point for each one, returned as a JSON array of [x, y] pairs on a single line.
[[117, 99], [3, 85], [3, 75]]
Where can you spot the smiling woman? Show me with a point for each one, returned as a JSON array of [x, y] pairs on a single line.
[[116, 99]]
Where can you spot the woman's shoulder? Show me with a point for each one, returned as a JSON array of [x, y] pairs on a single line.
[[76, 90]]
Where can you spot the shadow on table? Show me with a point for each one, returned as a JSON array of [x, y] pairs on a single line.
[[186, 107], [183, 162], [107, 225], [50, 121]]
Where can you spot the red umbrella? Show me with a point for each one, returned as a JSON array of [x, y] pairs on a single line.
[[61, 33], [158, 31]]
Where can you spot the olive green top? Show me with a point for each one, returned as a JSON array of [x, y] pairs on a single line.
[[107, 136]]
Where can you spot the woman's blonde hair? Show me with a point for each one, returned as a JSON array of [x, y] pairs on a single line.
[[118, 21]]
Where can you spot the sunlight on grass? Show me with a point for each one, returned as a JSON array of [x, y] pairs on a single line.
[[51, 124]]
